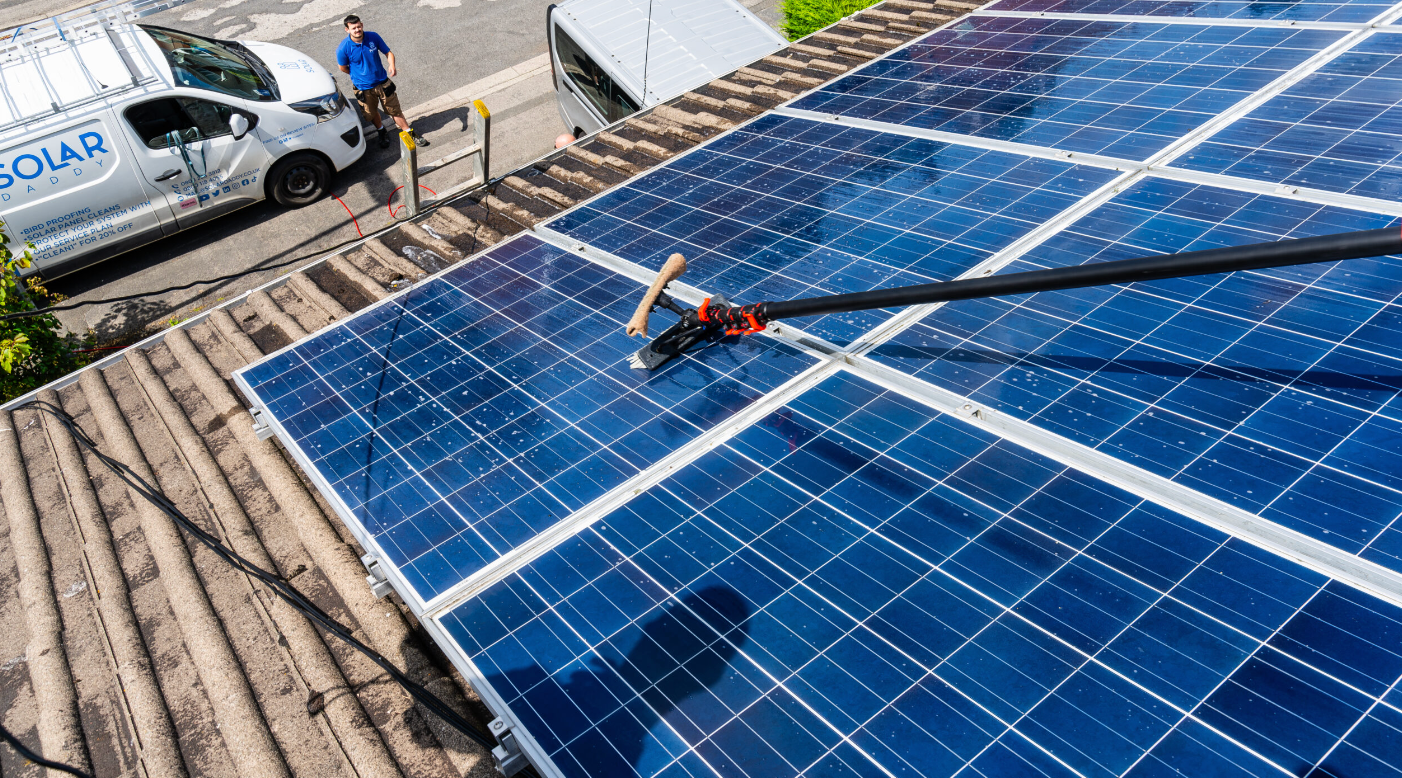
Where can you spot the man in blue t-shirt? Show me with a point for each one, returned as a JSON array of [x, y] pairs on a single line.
[[359, 56]]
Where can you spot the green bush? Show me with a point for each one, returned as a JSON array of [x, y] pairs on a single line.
[[32, 352], [802, 17]]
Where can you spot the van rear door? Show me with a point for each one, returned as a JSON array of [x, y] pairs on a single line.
[[77, 194], [202, 170]]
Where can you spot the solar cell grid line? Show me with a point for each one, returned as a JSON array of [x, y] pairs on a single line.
[[457, 420], [1114, 88], [1372, 747], [1275, 391], [787, 207], [1353, 12], [1011, 610], [1336, 130]]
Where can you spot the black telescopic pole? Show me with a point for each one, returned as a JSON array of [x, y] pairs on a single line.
[[1301, 251], [713, 321]]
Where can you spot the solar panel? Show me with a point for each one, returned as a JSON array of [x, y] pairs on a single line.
[[1127, 531], [1123, 89], [788, 207], [1343, 12], [457, 420], [1339, 129], [1277, 391], [859, 582]]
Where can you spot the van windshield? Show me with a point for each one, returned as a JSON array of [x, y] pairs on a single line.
[[202, 63]]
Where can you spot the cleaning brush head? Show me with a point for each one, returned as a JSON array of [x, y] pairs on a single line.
[[671, 270]]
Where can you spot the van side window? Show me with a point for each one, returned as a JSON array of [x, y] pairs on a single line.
[[608, 98], [194, 119]]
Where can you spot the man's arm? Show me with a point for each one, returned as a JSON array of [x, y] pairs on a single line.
[[345, 69], [389, 55]]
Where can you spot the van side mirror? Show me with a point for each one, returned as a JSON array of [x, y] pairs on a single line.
[[239, 124]]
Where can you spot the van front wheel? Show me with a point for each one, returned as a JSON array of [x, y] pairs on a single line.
[[300, 180]]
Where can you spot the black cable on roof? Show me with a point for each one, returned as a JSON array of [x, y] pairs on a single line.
[[24, 751], [169, 289], [286, 591]]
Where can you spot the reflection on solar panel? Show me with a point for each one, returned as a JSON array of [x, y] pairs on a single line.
[[789, 207], [464, 417], [1277, 391], [1339, 129], [1115, 88], [1128, 531], [1246, 10]]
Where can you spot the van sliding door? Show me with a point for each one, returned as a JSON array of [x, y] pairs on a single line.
[[189, 153]]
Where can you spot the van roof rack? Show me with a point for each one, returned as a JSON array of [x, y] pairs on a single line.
[[52, 65]]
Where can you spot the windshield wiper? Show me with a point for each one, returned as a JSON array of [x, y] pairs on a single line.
[[256, 64]]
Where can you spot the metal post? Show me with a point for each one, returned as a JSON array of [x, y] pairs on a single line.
[[409, 166], [483, 127]]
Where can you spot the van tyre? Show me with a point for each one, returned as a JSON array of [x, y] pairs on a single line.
[[300, 180]]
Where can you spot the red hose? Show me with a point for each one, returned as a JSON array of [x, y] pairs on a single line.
[[348, 212], [393, 211]]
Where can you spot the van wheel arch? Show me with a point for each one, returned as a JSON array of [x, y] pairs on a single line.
[[279, 167]]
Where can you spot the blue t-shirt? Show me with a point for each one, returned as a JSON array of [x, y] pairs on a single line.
[[363, 59]]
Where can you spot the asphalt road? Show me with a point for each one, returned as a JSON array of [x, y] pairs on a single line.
[[449, 52]]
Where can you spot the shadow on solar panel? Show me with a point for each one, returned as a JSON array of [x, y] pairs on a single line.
[[681, 651]]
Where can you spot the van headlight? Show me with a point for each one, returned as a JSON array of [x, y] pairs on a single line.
[[324, 108]]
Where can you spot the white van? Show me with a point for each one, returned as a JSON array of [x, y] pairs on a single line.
[[609, 62], [114, 134]]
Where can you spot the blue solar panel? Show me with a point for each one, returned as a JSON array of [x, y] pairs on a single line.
[[788, 207], [1277, 391], [1246, 10], [1339, 129], [857, 584], [860, 584], [1114, 88], [1373, 748], [461, 418]]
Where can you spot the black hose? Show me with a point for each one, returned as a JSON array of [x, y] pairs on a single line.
[[1300, 251], [286, 591], [36, 759]]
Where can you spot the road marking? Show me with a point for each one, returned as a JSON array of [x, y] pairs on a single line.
[[271, 27], [484, 86]]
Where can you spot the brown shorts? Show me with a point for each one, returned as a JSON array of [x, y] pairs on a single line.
[[371, 99]]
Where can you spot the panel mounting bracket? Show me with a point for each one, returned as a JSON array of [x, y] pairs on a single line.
[[379, 583], [507, 756], [972, 411], [261, 428]]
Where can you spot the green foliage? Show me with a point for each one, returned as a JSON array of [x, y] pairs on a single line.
[[802, 17], [32, 352]]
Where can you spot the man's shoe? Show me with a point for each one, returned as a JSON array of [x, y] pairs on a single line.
[[384, 138], [419, 139]]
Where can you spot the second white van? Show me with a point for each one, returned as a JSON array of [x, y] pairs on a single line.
[[113, 135], [612, 58]]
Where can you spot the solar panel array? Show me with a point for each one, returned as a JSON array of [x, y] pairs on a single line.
[[1138, 530]]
